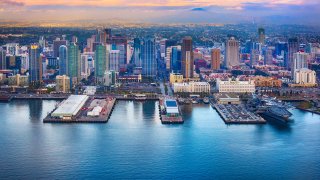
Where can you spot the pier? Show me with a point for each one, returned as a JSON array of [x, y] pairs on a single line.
[[169, 112], [93, 110], [237, 114]]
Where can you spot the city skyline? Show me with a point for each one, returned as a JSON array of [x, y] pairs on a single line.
[[166, 11]]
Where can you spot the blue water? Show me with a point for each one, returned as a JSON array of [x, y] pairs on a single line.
[[134, 144]]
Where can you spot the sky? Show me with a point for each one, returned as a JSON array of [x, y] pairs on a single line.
[[163, 11]]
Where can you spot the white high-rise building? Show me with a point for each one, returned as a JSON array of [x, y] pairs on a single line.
[[300, 60], [114, 58]]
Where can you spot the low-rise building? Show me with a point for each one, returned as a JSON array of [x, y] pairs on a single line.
[[176, 78], [63, 84], [192, 87], [261, 81], [236, 86], [227, 98], [18, 80]]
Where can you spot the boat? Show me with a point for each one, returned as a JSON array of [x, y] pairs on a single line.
[[194, 101], [140, 97], [5, 98], [206, 100], [278, 113]]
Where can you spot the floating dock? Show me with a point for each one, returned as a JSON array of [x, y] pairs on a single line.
[[82, 109], [237, 114]]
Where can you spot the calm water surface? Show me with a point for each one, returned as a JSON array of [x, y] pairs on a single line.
[[134, 144]]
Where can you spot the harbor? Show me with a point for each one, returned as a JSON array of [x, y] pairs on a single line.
[[82, 109]]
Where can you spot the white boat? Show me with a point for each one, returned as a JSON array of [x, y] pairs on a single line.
[[140, 97]]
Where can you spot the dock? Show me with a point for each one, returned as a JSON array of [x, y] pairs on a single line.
[[87, 112], [237, 114]]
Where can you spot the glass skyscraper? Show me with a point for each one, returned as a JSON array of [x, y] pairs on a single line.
[[73, 62], [100, 63], [63, 65], [35, 65], [148, 58]]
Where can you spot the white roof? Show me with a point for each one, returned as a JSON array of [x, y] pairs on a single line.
[[70, 106], [172, 110]]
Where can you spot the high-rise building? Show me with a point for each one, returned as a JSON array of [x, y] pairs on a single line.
[[63, 62], [305, 77], [119, 42], [148, 57], [136, 52], [56, 45], [114, 60], [293, 47], [35, 65], [2, 59], [84, 64], [300, 60], [187, 61], [73, 63], [232, 57], [175, 59], [262, 36], [100, 63], [215, 59]]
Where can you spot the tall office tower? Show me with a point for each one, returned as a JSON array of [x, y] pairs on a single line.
[[108, 33], [232, 57], [12, 49], [3, 64], [281, 48], [148, 57], [215, 59], [73, 63], [114, 56], [56, 45], [35, 65], [84, 64], [163, 48], [248, 46], [187, 58], [262, 36], [100, 64], [63, 61], [300, 60], [74, 39], [170, 43], [268, 58], [293, 47], [101, 36], [175, 59], [42, 42], [119, 42], [136, 52]]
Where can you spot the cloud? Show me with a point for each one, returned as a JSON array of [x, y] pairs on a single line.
[[11, 3], [198, 9]]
